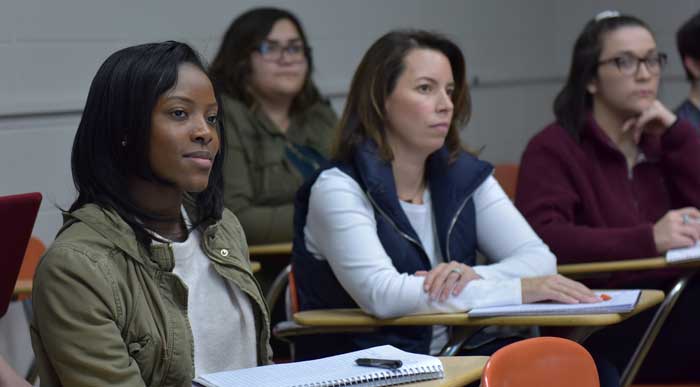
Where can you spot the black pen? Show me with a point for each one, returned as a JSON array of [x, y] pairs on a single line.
[[381, 363]]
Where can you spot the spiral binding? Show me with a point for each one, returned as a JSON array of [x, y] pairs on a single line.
[[385, 378]]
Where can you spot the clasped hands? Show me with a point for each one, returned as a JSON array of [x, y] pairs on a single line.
[[451, 278]]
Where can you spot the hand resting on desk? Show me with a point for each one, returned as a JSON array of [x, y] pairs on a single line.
[[673, 231], [556, 288], [447, 278]]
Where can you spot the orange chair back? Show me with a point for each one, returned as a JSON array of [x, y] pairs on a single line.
[[294, 298], [541, 362], [507, 176], [35, 249]]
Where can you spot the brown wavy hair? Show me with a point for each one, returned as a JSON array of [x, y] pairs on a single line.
[[376, 78]]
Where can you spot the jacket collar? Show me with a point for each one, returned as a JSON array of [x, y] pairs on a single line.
[[108, 224], [649, 147]]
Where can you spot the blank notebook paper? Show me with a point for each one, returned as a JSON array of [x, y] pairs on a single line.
[[684, 254], [339, 370], [621, 301]]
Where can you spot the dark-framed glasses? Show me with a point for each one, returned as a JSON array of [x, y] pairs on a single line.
[[629, 64], [273, 51]]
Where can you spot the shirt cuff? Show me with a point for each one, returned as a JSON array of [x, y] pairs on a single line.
[[486, 293]]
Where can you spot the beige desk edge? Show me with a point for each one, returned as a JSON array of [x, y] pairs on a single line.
[[355, 317]]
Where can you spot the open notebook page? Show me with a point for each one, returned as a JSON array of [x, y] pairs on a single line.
[[334, 368], [684, 254], [621, 301]]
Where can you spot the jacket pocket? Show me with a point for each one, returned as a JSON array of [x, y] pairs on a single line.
[[144, 352]]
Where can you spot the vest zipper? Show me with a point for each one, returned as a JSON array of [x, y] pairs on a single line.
[[452, 225], [391, 221]]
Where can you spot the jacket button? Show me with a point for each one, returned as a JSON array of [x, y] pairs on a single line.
[[224, 253]]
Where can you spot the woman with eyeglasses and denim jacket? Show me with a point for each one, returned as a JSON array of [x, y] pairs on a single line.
[[279, 127], [616, 175]]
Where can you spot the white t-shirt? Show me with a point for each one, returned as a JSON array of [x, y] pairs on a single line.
[[423, 222], [221, 316], [341, 229]]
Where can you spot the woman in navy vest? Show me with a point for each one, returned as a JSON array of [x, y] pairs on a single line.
[[393, 226]]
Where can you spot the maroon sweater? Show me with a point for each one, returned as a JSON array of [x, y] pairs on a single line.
[[582, 201]]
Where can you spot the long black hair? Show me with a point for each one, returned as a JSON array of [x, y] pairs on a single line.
[[231, 66], [573, 102], [114, 135]]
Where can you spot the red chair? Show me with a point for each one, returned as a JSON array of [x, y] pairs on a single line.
[[507, 176], [541, 362]]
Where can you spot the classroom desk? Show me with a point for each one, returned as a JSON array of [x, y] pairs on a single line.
[[578, 327], [358, 318], [273, 279], [459, 371], [271, 249], [579, 270], [22, 287], [575, 270]]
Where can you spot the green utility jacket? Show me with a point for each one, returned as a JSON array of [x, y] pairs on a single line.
[[109, 313], [259, 181]]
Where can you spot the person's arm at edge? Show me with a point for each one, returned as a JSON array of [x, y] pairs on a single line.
[[680, 158]]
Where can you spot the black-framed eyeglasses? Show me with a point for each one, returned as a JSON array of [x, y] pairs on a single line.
[[629, 64], [273, 51]]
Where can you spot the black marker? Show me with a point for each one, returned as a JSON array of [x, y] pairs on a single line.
[[381, 363]]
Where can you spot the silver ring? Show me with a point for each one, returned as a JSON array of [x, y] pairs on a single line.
[[458, 271], [686, 218]]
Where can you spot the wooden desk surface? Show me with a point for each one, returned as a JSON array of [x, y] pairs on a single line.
[[356, 317], [459, 371], [22, 287], [630, 264], [271, 249]]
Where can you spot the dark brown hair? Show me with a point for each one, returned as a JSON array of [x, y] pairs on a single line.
[[231, 66], [376, 78], [687, 42], [574, 102]]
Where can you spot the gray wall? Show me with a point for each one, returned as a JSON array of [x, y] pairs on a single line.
[[517, 54]]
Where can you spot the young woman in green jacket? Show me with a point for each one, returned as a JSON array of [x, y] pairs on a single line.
[[279, 129], [148, 282]]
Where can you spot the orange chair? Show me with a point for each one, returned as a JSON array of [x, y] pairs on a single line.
[[541, 362], [23, 288], [507, 176]]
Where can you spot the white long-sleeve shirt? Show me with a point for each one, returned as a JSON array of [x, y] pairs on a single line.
[[341, 229]]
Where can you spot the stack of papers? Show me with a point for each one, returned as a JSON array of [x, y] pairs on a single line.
[[621, 301], [683, 254]]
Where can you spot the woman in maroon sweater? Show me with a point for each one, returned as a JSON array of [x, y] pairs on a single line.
[[617, 176]]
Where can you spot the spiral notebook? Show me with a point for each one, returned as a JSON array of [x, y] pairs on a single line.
[[339, 370]]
